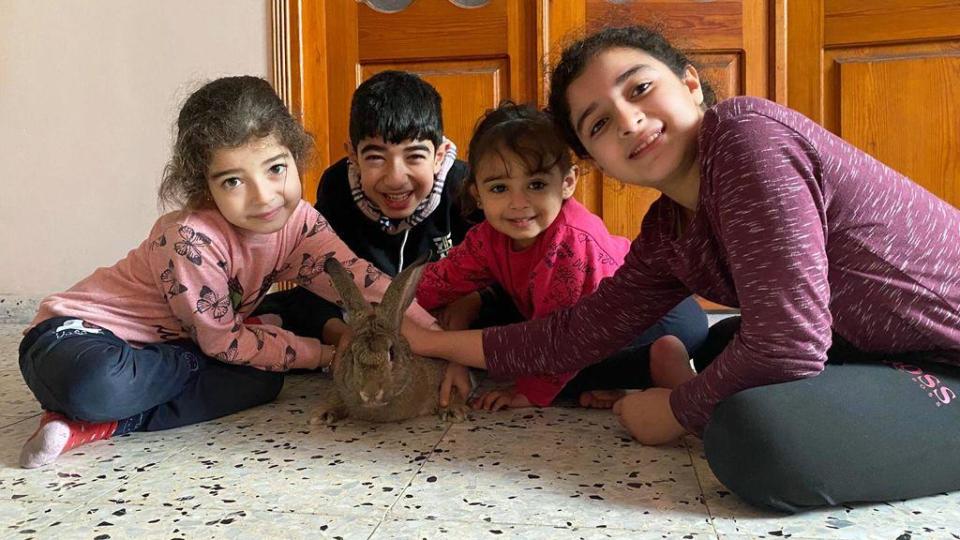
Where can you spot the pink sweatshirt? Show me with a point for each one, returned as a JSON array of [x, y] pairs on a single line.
[[197, 276], [566, 263]]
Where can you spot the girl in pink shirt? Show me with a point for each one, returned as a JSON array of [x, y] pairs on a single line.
[[161, 339], [547, 252]]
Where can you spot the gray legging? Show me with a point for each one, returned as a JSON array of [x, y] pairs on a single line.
[[869, 428]]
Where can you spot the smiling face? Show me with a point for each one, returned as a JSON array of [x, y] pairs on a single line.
[[637, 119], [256, 186], [518, 203], [396, 177]]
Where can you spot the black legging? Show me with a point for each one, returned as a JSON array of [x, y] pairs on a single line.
[[869, 428]]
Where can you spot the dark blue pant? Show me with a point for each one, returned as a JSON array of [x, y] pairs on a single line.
[[630, 367], [88, 373], [871, 427]]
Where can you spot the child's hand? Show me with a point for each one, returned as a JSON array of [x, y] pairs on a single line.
[[502, 398], [648, 417], [460, 314], [456, 377]]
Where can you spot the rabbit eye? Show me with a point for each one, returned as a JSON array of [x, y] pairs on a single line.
[[390, 354]]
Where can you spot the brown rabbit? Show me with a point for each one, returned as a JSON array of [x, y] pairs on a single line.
[[378, 378]]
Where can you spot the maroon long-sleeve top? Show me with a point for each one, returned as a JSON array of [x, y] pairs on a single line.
[[803, 232]]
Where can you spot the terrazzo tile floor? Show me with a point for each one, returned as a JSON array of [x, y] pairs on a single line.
[[556, 473]]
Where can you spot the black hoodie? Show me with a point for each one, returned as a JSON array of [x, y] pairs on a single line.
[[442, 229]]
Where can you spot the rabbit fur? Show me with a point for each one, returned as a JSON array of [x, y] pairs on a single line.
[[378, 378]]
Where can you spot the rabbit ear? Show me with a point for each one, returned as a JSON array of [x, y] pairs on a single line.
[[400, 294], [353, 300]]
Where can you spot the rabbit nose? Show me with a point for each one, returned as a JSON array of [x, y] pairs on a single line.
[[380, 395], [364, 397]]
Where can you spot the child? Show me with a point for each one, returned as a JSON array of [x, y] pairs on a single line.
[[546, 251], [159, 339], [845, 272], [392, 200]]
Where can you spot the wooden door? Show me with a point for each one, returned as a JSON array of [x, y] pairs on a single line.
[[885, 76], [474, 56]]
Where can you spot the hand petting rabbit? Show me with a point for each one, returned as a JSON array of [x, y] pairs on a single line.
[[376, 376]]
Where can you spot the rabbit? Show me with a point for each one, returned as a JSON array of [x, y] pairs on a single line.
[[378, 378]]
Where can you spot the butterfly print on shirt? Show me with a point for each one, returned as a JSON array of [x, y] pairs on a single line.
[[230, 356], [159, 242], [289, 357], [218, 306], [190, 246], [320, 225], [258, 333], [311, 267], [174, 286], [371, 276]]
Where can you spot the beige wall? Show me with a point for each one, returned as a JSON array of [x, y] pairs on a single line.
[[89, 91]]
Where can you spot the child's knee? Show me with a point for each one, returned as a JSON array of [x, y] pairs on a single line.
[[85, 383], [753, 454]]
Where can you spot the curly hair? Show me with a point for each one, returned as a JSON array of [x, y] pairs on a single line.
[[520, 130], [225, 113], [576, 56]]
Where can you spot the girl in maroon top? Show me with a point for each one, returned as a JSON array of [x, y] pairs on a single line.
[[547, 252], [839, 380]]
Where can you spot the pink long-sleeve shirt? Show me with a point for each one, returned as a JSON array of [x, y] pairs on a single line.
[[196, 276], [565, 263], [800, 230]]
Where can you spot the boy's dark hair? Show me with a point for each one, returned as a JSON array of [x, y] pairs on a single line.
[[576, 56], [519, 130], [225, 113], [397, 106]]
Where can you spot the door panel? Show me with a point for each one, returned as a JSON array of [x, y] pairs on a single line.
[[468, 88], [926, 148], [884, 75]]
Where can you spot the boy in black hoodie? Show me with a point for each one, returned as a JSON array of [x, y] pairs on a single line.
[[392, 200]]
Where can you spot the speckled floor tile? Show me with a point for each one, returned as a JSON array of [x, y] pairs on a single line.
[[565, 419], [271, 458], [25, 519], [439, 529], [545, 477], [108, 519], [83, 474], [932, 517], [560, 472], [16, 400], [882, 521]]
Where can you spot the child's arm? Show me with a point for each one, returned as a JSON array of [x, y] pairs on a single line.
[[465, 347], [464, 270], [770, 215]]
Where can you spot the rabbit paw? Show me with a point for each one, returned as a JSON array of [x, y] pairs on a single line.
[[329, 416], [455, 412]]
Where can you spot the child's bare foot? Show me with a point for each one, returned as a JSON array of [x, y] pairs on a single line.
[[600, 399], [669, 363], [58, 434]]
